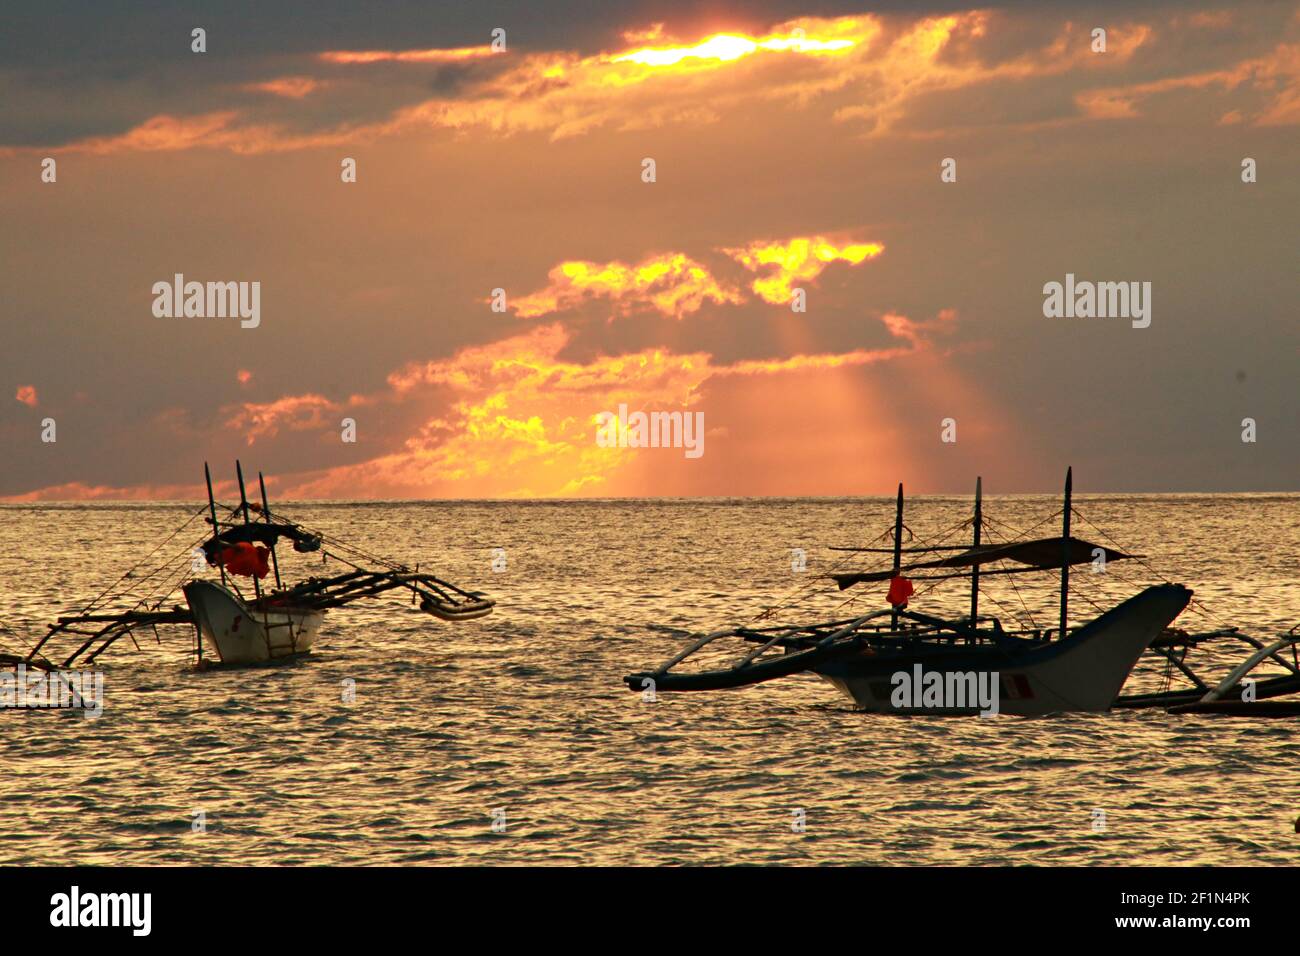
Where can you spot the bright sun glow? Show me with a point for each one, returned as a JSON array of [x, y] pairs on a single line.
[[726, 47]]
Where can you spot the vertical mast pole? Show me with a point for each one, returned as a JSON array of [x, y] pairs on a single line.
[[975, 568], [898, 548], [216, 530], [243, 498], [1065, 552], [243, 503], [266, 513], [221, 567]]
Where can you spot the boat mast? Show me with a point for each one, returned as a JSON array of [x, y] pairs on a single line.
[[243, 503], [975, 568], [1065, 552], [266, 513], [221, 565], [898, 548], [216, 531]]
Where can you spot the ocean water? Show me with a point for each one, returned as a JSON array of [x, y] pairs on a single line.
[[524, 715]]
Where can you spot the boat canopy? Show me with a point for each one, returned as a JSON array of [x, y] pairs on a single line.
[[1038, 555], [264, 533]]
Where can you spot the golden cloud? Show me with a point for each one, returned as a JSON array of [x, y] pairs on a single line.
[[514, 419], [872, 70], [519, 421], [676, 285], [566, 94], [725, 47], [671, 283], [801, 259]]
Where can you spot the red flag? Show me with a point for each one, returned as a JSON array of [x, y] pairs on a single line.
[[900, 589], [246, 559]]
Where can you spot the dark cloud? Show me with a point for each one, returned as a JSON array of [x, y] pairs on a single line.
[[73, 70]]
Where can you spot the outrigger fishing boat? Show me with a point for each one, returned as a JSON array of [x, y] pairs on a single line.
[[899, 660], [232, 626]]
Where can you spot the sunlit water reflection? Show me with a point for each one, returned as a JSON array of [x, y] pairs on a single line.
[[525, 711]]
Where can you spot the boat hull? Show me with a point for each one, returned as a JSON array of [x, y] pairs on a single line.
[[235, 633], [1083, 673]]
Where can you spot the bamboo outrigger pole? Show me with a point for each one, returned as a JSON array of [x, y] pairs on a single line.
[[266, 513], [1065, 553], [898, 548], [975, 568]]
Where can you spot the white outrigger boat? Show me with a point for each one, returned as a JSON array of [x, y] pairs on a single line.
[[238, 633], [901, 661], [233, 627]]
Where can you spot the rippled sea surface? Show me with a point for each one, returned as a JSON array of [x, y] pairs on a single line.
[[524, 711]]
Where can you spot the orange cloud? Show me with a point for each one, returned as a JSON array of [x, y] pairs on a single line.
[[918, 333], [1211, 19], [449, 55], [224, 490], [295, 413], [567, 94], [725, 47], [513, 419], [80, 491], [671, 283], [217, 130], [166, 133], [801, 259], [867, 69], [520, 421], [1276, 76], [561, 92], [644, 34], [938, 54], [27, 395], [289, 87]]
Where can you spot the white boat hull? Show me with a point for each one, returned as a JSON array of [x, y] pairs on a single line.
[[234, 633], [1085, 672]]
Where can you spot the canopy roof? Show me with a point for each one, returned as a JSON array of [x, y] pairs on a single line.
[[1039, 555], [265, 533]]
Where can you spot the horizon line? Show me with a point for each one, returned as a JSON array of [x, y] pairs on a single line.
[[14, 502]]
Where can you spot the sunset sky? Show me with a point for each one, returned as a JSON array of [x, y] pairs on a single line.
[[797, 145]]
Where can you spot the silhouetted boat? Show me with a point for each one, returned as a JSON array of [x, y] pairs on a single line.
[[902, 661], [231, 626]]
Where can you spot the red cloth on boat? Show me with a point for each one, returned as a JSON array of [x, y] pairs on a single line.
[[900, 589], [246, 559]]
